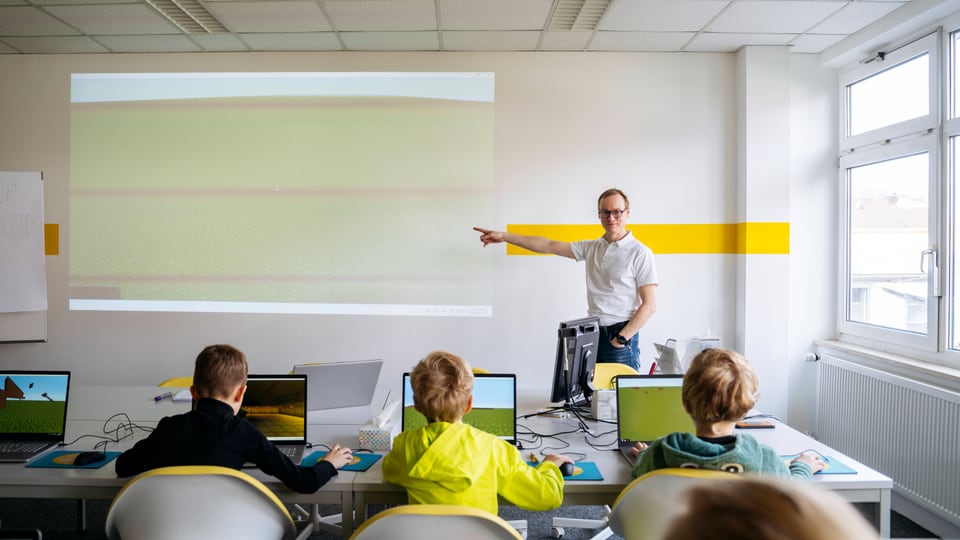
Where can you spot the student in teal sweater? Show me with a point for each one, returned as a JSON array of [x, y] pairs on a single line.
[[719, 389]]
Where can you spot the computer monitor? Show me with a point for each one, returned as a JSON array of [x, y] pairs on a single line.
[[577, 344]]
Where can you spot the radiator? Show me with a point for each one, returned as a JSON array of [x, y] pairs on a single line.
[[906, 429]]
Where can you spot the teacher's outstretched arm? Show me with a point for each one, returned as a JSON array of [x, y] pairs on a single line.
[[537, 244]]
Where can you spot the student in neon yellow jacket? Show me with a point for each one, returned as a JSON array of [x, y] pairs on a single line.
[[449, 462]]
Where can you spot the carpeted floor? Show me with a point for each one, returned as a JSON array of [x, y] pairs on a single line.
[[58, 520]]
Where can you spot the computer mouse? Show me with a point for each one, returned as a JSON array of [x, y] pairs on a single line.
[[566, 469], [88, 458]]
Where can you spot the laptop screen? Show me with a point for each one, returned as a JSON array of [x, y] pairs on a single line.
[[649, 407], [33, 404], [494, 405], [277, 406]]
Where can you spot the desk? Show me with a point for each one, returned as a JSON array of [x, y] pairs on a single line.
[[91, 405], [865, 486]]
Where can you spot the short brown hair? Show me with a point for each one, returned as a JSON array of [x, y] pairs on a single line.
[[442, 385], [750, 508], [219, 370], [611, 192], [719, 386]]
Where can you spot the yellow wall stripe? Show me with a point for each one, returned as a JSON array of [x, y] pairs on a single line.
[[51, 238], [756, 238]]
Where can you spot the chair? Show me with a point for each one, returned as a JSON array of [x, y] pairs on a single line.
[[604, 373], [198, 502], [435, 521], [645, 507], [182, 382]]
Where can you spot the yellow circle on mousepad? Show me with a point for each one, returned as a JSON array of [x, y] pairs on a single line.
[[356, 459], [65, 459], [577, 471]]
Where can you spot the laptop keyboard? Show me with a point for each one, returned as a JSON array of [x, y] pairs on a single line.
[[18, 447], [288, 451]]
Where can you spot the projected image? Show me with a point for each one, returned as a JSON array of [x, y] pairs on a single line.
[[32, 403], [494, 407], [344, 193]]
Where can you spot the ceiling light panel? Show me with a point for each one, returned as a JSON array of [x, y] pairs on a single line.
[[382, 15], [494, 14]]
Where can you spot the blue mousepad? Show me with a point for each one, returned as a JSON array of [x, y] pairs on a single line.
[[582, 470], [63, 459], [361, 462], [834, 466]]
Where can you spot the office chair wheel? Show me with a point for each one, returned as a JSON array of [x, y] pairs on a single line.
[[556, 532]]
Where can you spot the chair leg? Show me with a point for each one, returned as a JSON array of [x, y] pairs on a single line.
[[82, 515], [520, 525]]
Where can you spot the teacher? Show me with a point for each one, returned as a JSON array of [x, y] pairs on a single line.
[[621, 276]]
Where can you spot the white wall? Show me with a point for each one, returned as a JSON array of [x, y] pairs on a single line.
[[568, 125]]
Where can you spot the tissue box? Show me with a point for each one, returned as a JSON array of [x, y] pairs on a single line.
[[603, 405], [377, 438]]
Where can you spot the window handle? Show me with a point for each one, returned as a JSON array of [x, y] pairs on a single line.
[[934, 268]]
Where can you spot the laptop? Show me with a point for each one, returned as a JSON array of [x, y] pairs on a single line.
[[494, 406], [649, 407], [33, 413], [277, 406], [336, 385]]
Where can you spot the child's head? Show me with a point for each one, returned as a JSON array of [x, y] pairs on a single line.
[[765, 509], [219, 371], [719, 386], [442, 387]]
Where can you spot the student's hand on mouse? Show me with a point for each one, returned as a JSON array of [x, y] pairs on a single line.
[[557, 459], [637, 448], [339, 457], [812, 460], [489, 237]]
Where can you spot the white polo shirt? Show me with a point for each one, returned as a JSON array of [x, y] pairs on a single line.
[[615, 272]]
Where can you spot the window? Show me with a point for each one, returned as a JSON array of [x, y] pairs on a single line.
[[889, 175]]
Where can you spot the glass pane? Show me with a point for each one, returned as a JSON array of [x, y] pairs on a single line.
[[888, 233], [954, 302], [891, 96], [955, 76]]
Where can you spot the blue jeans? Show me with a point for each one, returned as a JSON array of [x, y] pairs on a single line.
[[629, 354]]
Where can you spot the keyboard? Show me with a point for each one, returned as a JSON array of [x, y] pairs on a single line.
[[19, 451]]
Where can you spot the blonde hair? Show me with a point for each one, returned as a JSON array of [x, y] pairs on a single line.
[[611, 192], [719, 386], [219, 370], [752, 508], [442, 386]]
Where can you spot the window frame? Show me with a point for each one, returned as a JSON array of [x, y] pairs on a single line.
[[908, 137]]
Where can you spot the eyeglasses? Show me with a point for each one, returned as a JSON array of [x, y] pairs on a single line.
[[615, 213]]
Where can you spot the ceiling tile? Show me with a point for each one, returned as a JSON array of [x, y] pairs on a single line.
[[391, 41], [12, 3], [494, 14], [29, 21], [854, 16], [489, 41], [814, 43], [138, 44], [317, 41], [82, 2], [645, 41], [56, 45], [376, 15], [219, 42], [114, 19], [281, 17], [565, 41], [4, 49], [661, 15], [711, 42], [772, 17]]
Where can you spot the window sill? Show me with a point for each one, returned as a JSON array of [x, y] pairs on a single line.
[[930, 373]]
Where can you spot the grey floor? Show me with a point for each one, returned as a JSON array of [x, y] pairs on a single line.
[[58, 520]]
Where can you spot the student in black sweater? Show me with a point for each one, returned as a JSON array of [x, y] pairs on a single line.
[[213, 434]]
